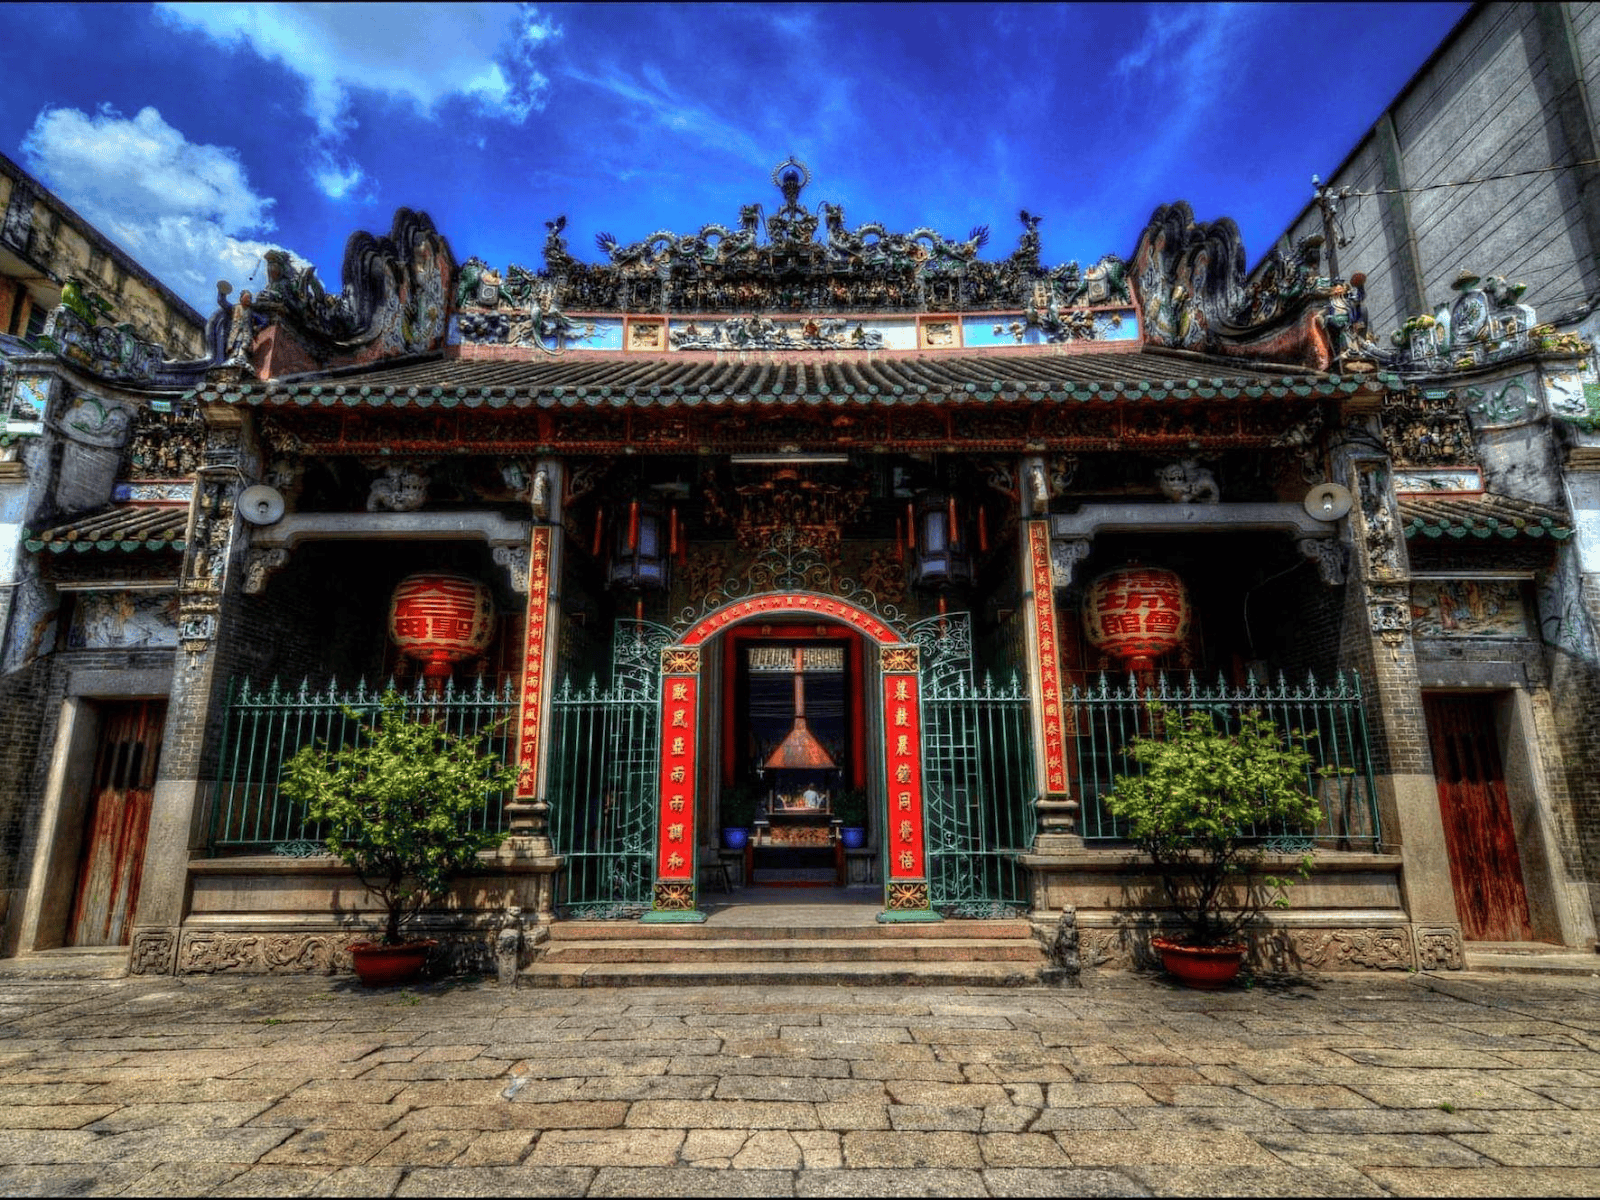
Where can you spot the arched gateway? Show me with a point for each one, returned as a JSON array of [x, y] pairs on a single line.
[[682, 753]]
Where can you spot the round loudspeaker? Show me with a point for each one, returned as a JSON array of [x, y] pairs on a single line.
[[1328, 501], [260, 504]]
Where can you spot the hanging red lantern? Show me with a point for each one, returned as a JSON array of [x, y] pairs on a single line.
[[1136, 613], [441, 619]]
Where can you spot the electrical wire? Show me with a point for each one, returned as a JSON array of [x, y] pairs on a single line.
[[1429, 187]]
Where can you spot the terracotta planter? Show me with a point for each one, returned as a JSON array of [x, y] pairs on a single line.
[[378, 965], [1200, 966]]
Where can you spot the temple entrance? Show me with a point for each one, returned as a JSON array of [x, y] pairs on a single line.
[[794, 763]]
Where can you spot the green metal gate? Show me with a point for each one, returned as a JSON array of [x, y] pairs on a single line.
[[602, 782], [977, 774]]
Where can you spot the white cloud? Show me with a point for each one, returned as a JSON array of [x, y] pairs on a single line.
[[420, 52], [185, 212]]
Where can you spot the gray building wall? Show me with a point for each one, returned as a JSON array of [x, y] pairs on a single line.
[[1508, 90]]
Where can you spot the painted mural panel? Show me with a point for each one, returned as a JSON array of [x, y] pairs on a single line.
[[803, 333], [1468, 608], [1045, 328], [122, 620]]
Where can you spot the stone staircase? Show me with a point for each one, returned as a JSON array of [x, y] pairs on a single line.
[[1531, 958], [767, 945]]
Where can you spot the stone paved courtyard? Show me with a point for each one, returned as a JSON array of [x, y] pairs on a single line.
[[1336, 1085]]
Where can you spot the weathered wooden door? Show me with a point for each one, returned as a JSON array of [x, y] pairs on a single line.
[[116, 822], [1485, 867]]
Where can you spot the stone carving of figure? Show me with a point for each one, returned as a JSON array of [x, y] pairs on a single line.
[[1187, 482], [398, 489]]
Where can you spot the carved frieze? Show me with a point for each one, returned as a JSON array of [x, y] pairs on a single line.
[[153, 953], [1439, 949], [1065, 555], [259, 566], [1328, 554]]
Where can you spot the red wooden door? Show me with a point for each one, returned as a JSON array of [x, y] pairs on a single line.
[[1485, 867], [117, 822]]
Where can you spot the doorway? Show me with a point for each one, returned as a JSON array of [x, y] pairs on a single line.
[[794, 752], [116, 823], [1485, 863]]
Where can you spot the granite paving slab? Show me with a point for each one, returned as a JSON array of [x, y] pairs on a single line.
[[1334, 1085]]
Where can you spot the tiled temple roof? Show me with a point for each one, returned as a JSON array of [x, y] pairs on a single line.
[[596, 380], [126, 527], [1480, 517]]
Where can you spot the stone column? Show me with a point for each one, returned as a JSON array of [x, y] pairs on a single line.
[[535, 570], [1379, 639], [215, 544], [1058, 811]]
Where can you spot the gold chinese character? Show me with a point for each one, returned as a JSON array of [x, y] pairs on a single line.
[[680, 691], [902, 689], [901, 719], [902, 773], [675, 832], [675, 861], [680, 718], [676, 803], [902, 744], [907, 860], [903, 801], [676, 775], [677, 745], [905, 831]]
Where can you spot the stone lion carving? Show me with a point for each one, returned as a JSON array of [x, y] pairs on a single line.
[[1187, 482], [398, 489]]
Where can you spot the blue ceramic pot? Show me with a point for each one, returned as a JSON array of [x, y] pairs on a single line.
[[735, 839], [853, 836]]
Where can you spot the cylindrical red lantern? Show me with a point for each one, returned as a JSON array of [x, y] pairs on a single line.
[[441, 619], [1136, 613]]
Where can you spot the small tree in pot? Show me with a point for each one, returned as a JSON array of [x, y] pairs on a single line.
[[1194, 807], [398, 806]]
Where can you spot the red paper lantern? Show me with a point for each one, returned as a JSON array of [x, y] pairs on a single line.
[[441, 619], [1136, 613]]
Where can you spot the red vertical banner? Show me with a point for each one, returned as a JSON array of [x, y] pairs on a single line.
[[907, 882], [1044, 615], [675, 833], [530, 710]]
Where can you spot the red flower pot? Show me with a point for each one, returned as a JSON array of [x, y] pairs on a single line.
[[1200, 966], [378, 965]]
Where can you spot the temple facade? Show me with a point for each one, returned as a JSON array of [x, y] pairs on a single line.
[[799, 553]]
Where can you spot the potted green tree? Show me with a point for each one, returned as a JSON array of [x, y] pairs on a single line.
[[738, 814], [398, 806], [850, 806], [1194, 807]]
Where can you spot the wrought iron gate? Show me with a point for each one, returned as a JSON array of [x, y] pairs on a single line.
[[602, 778], [977, 776]]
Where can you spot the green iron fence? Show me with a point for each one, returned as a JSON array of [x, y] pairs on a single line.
[[1104, 718], [264, 727], [977, 777], [602, 779]]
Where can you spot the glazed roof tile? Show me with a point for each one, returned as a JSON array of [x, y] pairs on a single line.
[[599, 380], [126, 527], [1483, 517]]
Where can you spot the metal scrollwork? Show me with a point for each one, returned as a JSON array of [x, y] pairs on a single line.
[[791, 561]]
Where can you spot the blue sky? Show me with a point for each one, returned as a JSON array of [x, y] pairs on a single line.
[[198, 135]]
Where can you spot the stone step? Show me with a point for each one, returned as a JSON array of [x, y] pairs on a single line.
[[75, 962], [814, 949], [754, 930], [1527, 958], [546, 974]]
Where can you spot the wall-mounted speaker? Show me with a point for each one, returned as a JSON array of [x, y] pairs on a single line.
[[260, 504], [1328, 501]]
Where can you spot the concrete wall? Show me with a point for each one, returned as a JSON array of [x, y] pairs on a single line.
[[1508, 91], [52, 241]]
